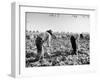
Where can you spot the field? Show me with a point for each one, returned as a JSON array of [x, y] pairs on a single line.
[[60, 51]]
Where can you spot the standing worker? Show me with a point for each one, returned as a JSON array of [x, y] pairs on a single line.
[[74, 45]]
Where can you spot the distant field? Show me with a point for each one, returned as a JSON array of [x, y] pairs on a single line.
[[60, 50]]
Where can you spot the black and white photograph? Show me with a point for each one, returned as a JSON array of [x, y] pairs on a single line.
[[56, 39]]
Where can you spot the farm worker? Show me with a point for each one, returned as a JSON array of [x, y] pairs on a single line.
[[40, 43], [48, 37], [73, 44]]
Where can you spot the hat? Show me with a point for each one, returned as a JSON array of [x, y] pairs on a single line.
[[49, 31]]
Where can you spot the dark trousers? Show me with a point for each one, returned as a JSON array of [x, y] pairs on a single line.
[[39, 51]]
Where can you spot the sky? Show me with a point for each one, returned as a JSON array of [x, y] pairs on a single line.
[[57, 22]]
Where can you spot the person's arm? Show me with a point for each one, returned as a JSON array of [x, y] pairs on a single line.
[[46, 37]]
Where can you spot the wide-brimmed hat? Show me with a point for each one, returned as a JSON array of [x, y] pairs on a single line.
[[49, 31]]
